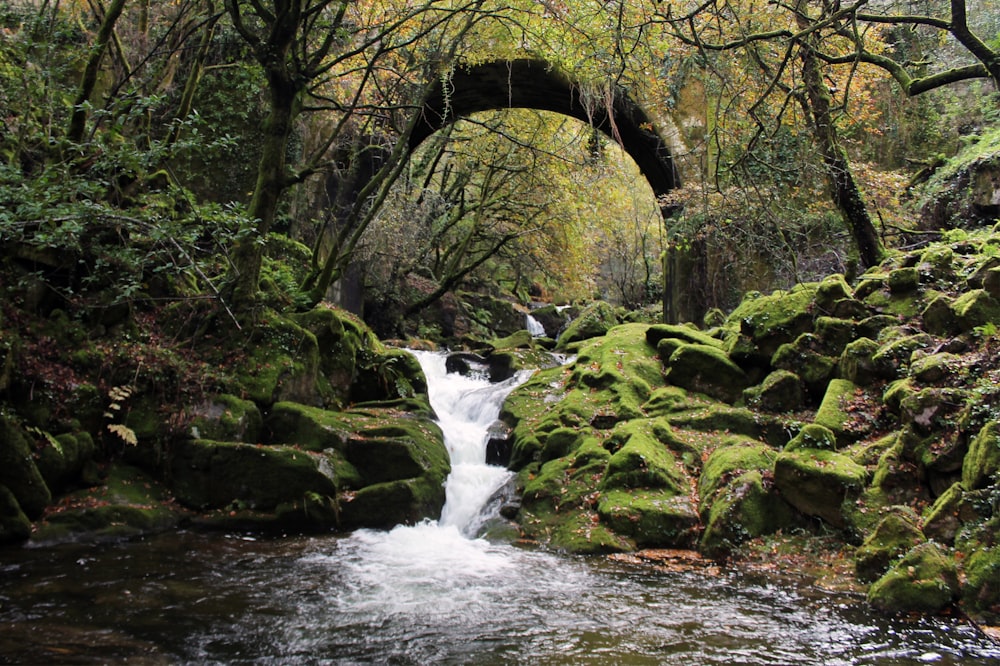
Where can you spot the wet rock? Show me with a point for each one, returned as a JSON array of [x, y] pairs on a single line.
[[982, 462], [226, 417], [14, 525], [651, 518], [18, 471]]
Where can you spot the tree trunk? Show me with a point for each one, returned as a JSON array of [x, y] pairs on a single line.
[[272, 180], [843, 188], [78, 121]]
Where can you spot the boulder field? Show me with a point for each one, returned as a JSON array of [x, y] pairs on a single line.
[[867, 412]]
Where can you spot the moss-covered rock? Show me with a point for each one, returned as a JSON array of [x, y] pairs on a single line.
[[18, 471], [982, 462], [127, 503], [804, 357], [896, 392], [893, 357], [813, 436], [975, 308], [658, 332], [894, 536], [651, 518], [14, 525], [390, 503], [903, 280], [858, 363], [937, 315], [934, 368], [781, 391], [744, 508], [931, 408], [833, 412], [761, 324], [835, 334], [639, 460], [226, 417], [832, 290], [981, 591], [595, 320], [924, 580], [818, 482], [517, 340], [706, 369], [943, 519], [210, 474]]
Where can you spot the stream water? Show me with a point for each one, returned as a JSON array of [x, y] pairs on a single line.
[[431, 593]]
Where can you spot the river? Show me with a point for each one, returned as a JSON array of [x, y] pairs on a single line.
[[431, 594]]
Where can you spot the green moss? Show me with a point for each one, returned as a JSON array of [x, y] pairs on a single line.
[[981, 592], [746, 508], [924, 580], [982, 462], [781, 391], [18, 471], [818, 482], [893, 357], [731, 459], [835, 334], [760, 324], [641, 461], [706, 369], [943, 519], [904, 280], [832, 289], [390, 503], [896, 392], [654, 334], [650, 517], [666, 400], [719, 418], [804, 359], [128, 503], [813, 436], [937, 315], [517, 340], [833, 411], [226, 417], [282, 364], [895, 535], [975, 308], [595, 320]]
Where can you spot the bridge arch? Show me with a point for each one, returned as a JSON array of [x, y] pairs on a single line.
[[535, 84]]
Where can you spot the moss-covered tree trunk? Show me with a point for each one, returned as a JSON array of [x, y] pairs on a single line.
[[78, 121], [843, 188]]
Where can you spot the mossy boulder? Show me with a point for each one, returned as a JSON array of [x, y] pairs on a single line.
[[650, 517], [834, 412], [835, 334], [975, 308], [60, 459], [735, 456], [706, 369], [517, 340], [943, 519], [639, 460], [781, 391], [813, 436], [894, 536], [805, 358], [18, 471], [595, 320], [761, 324], [858, 364], [747, 507], [126, 504], [903, 280], [893, 357], [658, 332], [937, 315], [934, 368], [817, 482], [283, 363], [208, 474], [929, 409], [832, 290], [981, 591], [390, 503], [14, 525], [227, 418], [981, 467], [924, 580]]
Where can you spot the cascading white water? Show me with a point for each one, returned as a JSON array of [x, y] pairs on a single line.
[[534, 326], [466, 406]]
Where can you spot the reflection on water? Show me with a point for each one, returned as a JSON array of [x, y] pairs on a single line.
[[428, 595]]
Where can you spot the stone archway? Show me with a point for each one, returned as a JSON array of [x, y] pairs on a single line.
[[534, 84]]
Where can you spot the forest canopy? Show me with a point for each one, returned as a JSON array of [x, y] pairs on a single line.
[[256, 153]]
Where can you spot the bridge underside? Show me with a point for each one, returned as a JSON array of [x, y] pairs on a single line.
[[533, 84]]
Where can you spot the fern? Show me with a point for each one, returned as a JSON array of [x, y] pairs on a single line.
[[124, 433]]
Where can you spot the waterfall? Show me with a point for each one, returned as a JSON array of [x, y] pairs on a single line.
[[534, 326], [466, 406]]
